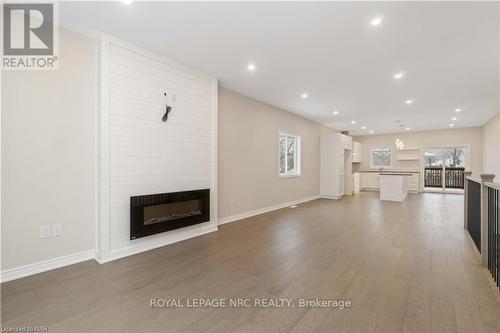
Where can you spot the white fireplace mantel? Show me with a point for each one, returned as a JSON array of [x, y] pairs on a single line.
[[139, 154]]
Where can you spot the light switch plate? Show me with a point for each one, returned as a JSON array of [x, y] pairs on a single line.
[[44, 231], [56, 229]]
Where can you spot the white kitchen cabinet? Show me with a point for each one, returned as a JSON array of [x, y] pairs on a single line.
[[335, 166], [356, 152], [413, 184], [347, 142], [371, 181], [356, 182], [340, 157]]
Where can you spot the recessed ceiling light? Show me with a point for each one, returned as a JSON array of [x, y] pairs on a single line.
[[127, 2], [454, 118], [408, 128], [376, 21], [452, 125], [399, 75], [335, 112], [353, 122], [458, 110], [304, 95], [409, 101], [371, 132], [363, 127], [251, 67]]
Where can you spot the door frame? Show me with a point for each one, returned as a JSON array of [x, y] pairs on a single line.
[[422, 165]]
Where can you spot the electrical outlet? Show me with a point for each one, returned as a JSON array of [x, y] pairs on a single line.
[[57, 229], [44, 231]]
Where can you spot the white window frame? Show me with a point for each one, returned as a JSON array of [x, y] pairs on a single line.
[[467, 147], [384, 166], [298, 156]]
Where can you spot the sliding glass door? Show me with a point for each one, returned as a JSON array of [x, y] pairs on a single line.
[[444, 167]]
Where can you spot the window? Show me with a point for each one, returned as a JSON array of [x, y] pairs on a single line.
[[452, 157], [289, 155], [381, 157]]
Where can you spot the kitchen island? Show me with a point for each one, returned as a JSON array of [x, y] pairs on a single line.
[[370, 179], [393, 186]]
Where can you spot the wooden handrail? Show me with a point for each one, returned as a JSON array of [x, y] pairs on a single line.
[[492, 185], [475, 179], [446, 168]]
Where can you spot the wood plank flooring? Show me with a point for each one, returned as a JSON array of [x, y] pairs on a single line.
[[406, 267]]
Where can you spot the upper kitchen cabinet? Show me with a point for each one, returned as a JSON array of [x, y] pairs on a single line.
[[356, 152], [346, 141]]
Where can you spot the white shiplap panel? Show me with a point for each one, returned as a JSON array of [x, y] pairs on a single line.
[[152, 180], [147, 155], [149, 120], [159, 162], [139, 108], [153, 114], [172, 155], [172, 135], [164, 170], [177, 144], [165, 186], [172, 128], [119, 95], [160, 68], [134, 88], [151, 84]]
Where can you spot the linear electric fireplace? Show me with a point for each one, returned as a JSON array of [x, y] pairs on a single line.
[[155, 213]]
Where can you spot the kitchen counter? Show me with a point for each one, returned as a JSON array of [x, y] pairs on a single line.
[[389, 171]]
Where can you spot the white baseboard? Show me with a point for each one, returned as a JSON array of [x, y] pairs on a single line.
[[50, 264], [244, 215], [156, 243], [331, 197], [45, 265], [372, 189]]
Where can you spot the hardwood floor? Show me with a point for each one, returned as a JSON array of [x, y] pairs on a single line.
[[406, 267]]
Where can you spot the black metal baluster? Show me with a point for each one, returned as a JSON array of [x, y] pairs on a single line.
[[474, 212], [491, 232], [497, 236]]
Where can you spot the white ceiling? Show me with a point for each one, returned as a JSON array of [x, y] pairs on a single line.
[[449, 51]]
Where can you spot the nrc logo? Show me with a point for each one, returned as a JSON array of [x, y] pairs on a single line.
[[28, 29]]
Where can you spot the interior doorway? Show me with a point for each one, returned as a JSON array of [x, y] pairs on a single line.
[[443, 168]]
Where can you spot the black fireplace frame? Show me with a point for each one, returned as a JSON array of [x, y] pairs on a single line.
[[137, 204]]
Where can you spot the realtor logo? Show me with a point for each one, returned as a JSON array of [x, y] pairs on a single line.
[[29, 36]]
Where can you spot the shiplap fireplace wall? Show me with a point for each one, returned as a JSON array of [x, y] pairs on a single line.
[[139, 154]]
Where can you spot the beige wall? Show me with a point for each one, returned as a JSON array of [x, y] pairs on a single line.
[[491, 147], [48, 156], [470, 136], [248, 155]]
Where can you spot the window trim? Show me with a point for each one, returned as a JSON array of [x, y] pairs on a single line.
[[298, 158], [378, 166]]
